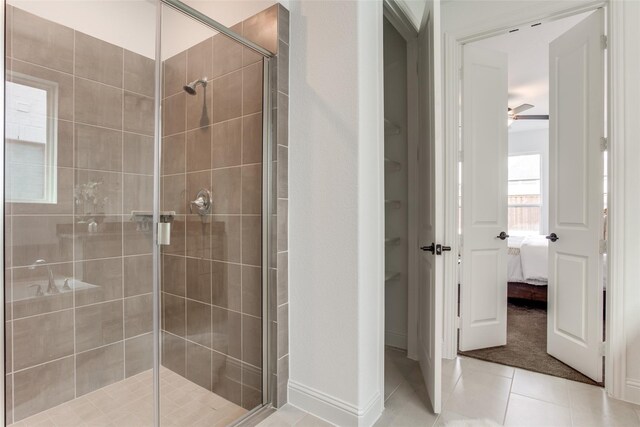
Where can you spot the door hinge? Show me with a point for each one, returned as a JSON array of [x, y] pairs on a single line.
[[460, 156], [604, 143], [458, 322], [605, 41], [603, 246], [603, 349], [164, 233]]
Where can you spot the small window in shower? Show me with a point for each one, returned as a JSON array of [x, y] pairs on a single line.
[[31, 138]]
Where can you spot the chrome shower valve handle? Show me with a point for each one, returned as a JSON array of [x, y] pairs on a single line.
[[202, 203]]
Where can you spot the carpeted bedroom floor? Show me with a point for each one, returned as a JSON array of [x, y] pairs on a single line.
[[527, 345]]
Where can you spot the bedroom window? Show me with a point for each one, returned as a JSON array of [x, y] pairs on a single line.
[[525, 195]]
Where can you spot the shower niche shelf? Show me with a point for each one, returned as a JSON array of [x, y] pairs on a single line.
[[144, 216]]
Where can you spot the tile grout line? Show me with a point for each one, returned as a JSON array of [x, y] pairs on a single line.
[[73, 74], [73, 227], [506, 409], [13, 377], [211, 228], [122, 276], [57, 359], [242, 260], [186, 234]]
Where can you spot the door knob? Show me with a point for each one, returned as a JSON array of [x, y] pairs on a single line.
[[431, 248], [553, 237], [441, 248], [502, 235]]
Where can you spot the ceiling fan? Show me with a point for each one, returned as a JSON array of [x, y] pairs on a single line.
[[514, 113]]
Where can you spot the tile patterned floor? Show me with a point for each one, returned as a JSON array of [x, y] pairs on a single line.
[[129, 403], [475, 390]]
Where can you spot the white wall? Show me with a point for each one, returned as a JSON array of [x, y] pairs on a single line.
[[530, 142], [136, 20], [336, 230]]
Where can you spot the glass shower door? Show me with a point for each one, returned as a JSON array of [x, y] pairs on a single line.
[[212, 186], [79, 147], [103, 326]]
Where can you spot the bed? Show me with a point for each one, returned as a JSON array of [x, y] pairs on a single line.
[[527, 267]]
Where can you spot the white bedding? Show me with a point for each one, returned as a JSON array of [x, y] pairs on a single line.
[[527, 260], [534, 255]]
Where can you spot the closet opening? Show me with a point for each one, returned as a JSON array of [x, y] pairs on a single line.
[[396, 141]]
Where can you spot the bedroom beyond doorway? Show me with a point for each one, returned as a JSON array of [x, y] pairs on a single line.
[[533, 258]]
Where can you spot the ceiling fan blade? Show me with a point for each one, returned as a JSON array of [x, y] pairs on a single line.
[[520, 108], [531, 117]]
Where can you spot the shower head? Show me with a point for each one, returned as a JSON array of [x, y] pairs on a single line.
[[191, 87]]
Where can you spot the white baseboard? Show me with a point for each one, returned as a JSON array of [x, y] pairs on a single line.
[[333, 410], [395, 339], [632, 391]]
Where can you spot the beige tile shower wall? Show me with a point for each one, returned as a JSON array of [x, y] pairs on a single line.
[[212, 271], [66, 345]]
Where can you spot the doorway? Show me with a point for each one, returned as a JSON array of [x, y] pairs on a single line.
[[423, 220], [525, 300]]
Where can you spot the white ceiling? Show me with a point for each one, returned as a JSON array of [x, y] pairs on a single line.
[[414, 10], [528, 52]]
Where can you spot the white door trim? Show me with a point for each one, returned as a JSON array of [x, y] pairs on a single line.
[[619, 26], [616, 383], [452, 146]]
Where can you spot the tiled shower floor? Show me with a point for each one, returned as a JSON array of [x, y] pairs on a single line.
[[129, 403]]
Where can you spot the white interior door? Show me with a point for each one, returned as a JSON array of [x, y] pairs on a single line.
[[430, 207], [576, 126], [484, 199]]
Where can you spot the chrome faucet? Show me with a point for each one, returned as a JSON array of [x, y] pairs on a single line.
[[52, 288]]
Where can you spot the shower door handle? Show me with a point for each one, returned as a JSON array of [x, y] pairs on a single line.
[[164, 233]]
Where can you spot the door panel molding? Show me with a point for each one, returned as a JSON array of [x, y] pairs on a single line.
[[576, 126], [483, 298]]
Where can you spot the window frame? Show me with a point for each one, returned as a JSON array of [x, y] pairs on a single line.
[[50, 163], [539, 205]]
